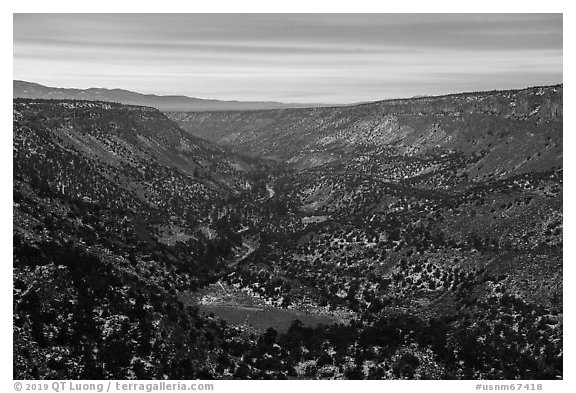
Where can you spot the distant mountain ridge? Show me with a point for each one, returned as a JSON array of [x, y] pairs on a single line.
[[172, 103]]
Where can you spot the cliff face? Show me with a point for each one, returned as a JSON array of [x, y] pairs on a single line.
[[535, 103], [514, 130]]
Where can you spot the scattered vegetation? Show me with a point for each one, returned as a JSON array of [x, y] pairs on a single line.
[[420, 244]]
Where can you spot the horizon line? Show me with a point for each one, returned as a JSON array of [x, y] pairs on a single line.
[[311, 105]]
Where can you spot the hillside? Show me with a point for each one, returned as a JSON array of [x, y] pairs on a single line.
[[22, 89], [406, 239], [439, 213], [111, 218], [516, 131]]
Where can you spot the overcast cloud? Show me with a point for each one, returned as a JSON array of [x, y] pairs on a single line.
[[334, 58]]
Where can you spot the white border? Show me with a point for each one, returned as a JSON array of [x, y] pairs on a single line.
[[299, 6]]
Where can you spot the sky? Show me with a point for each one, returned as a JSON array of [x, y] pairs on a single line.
[[303, 58]]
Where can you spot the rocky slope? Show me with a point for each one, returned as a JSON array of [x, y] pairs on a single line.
[[436, 221], [115, 209], [516, 131]]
